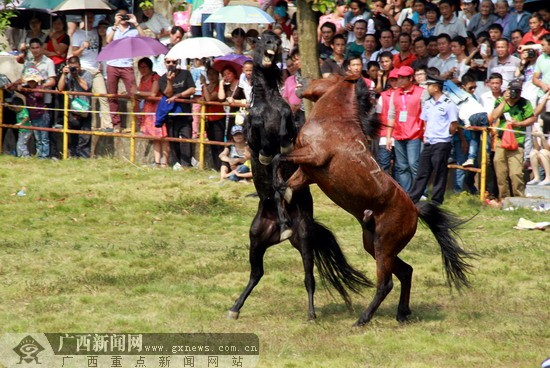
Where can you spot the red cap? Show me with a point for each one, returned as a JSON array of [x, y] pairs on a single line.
[[405, 71], [393, 74]]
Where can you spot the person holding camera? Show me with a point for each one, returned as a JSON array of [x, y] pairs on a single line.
[[77, 80], [176, 84], [515, 110], [126, 25]]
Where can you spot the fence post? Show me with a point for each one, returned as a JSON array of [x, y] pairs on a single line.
[[65, 125], [132, 130], [1, 119], [201, 138], [483, 178]]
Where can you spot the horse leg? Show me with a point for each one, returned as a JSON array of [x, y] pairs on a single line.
[[300, 242], [263, 234], [384, 266], [403, 271], [287, 130]]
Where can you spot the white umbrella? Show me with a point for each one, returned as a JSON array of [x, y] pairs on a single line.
[[80, 6], [198, 47], [242, 14]]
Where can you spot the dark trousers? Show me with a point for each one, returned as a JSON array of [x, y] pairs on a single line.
[[216, 131], [80, 144], [181, 127], [433, 159]]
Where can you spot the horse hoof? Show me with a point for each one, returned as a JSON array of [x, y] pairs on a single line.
[[232, 315], [288, 195], [285, 234], [287, 149], [265, 160]]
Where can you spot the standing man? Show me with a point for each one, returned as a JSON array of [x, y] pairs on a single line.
[[503, 63], [541, 76], [76, 79], [445, 61], [405, 56], [519, 19], [441, 117], [421, 52], [126, 25], [334, 64], [386, 44], [176, 84], [449, 23], [406, 127], [512, 109], [85, 44]]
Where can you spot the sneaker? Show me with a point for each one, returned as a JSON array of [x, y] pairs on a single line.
[[451, 161], [544, 182], [194, 162], [533, 182], [468, 163], [423, 198], [177, 167]]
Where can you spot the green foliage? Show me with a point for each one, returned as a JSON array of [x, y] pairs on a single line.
[[322, 6]]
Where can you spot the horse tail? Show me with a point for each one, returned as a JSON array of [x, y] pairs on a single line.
[[332, 264], [444, 225]]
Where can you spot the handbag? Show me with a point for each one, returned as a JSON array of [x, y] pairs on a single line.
[[80, 107], [508, 140]]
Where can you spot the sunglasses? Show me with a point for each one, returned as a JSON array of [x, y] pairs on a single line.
[[170, 62], [472, 88]]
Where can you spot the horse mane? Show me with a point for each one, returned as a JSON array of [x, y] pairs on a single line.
[[265, 80], [370, 124]]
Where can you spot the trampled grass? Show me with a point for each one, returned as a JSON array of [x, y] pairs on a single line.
[[105, 246]]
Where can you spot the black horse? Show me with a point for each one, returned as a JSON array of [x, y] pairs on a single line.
[[271, 131]]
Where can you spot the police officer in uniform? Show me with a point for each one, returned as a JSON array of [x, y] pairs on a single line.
[[441, 121]]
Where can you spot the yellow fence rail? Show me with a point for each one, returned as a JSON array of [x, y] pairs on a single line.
[[201, 141]]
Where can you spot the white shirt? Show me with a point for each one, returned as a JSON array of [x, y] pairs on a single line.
[[210, 6], [246, 86], [443, 65], [488, 101], [89, 55]]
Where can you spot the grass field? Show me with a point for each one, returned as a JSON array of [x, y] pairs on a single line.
[[107, 246]]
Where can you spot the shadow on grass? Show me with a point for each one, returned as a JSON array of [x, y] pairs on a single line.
[[421, 312]]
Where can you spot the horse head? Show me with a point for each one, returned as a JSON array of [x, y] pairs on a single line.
[[268, 49]]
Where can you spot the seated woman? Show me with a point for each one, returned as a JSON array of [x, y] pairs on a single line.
[[235, 157], [540, 155], [149, 87]]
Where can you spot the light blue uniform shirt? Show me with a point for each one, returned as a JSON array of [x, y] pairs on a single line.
[[438, 116]]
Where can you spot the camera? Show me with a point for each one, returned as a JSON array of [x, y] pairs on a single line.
[[171, 68], [531, 54], [514, 94], [73, 70], [124, 17]]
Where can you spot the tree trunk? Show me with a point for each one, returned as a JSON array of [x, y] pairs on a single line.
[[309, 47]]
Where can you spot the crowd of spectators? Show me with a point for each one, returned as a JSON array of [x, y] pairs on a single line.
[[493, 54]]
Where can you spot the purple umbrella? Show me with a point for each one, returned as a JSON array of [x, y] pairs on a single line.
[[132, 47], [235, 61]]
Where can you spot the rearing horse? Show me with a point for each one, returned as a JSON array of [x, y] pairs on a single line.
[[270, 131], [332, 151]]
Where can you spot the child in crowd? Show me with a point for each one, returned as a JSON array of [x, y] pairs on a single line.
[[540, 154], [473, 114], [197, 70], [235, 157], [23, 119], [39, 116]]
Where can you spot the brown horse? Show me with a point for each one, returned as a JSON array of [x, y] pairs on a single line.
[[332, 151]]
